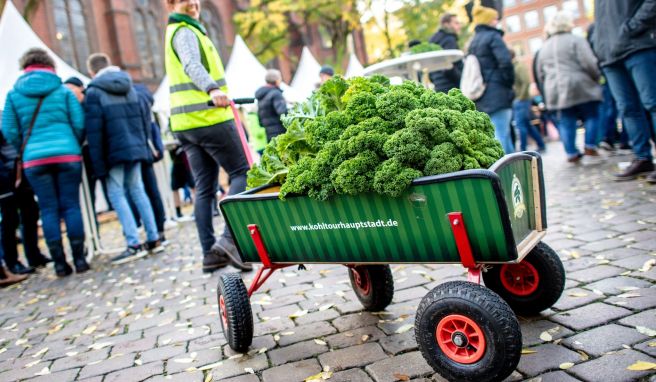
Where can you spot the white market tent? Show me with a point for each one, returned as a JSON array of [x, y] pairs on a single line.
[[354, 68], [16, 37], [307, 74]]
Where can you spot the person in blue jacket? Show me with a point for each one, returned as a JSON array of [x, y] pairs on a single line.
[[52, 157], [118, 130], [498, 73]]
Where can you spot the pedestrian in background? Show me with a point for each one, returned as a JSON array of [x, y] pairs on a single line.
[[625, 42], [271, 105], [522, 106], [118, 128], [6, 277], [19, 209], [45, 123], [568, 69], [325, 73], [203, 122], [447, 38], [497, 71]]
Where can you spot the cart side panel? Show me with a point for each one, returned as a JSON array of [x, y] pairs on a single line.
[[375, 229], [523, 196]]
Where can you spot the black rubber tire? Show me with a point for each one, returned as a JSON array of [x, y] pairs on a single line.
[[496, 320], [381, 289], [239, 329], [551, 282]]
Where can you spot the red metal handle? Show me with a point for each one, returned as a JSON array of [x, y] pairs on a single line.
[[242, 134]]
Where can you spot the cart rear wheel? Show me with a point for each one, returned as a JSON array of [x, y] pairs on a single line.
[[235, 312], [468, 333], [373, 284], [531, 286]]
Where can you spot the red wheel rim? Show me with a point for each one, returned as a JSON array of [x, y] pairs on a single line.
[[460, 339], [222, 311], [520, 279], [362, 281]]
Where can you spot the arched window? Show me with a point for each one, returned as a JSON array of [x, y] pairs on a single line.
[[72, 32], [148, 35], [209, 17]]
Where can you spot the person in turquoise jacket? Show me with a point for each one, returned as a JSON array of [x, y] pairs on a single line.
[[53, 156]]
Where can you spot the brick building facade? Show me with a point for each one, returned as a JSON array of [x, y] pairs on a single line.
[[524, 21], [132, 33]]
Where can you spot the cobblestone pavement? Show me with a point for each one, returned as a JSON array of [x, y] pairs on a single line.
[[156, 319]]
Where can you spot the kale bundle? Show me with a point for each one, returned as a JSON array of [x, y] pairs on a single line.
[[364, 135]]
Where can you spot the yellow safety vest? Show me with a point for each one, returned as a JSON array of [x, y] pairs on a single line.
[[189, 105]]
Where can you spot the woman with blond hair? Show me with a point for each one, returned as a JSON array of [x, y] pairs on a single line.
[[568, 70]]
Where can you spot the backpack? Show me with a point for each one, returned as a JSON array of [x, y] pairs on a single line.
[[471, 83]]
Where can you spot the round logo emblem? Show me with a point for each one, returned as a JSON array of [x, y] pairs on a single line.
[[517, 198]]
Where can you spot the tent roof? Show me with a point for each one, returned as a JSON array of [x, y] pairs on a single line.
[[16, 37], [244, 73], [354, 68], [307, 74]]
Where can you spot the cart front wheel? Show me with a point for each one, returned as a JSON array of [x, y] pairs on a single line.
[[468, 333], [373, 284], [531, 286], [235, 312]]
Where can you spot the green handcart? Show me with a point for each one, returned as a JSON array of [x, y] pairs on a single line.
[[490, 221]]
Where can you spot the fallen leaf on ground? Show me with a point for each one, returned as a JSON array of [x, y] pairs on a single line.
[[404, 328], [320, 377], [276, 337], [71, 354], [583, 355], [183, 360], [286, 333], [646, 331], [27, 366], [642, 366], [32, 301], [349, 334], [652, 345], [249, 370], [401, 377], [365, 338], [574, 255], [236, 356], [566, 365], [208, 378], [211, 366], [89, 330], [40, 352], [647, 265], [100, 345], [44, 371], [326, 307], [528, 351], [545, 336], [578, 294], [319, 342], [628, 288], [3, 350], [298, 314], [263, 350], [20, 342], [629, 295]]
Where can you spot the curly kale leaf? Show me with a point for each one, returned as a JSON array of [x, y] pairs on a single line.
[[361, 106], [355, 176], [430, 122], [392, 178], [395, 105], [444, 158], [331, 93], [409, 147]]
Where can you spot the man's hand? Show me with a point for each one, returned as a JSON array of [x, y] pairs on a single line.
[[219, 98]]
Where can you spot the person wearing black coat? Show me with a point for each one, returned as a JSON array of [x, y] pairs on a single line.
[[497, 71], [19, 208], [118, 129], [447, 38], [625, 44], [271, 104]]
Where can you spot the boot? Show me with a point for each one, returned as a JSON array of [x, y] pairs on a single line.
[[79, 255], [7, 278], [62, 269]]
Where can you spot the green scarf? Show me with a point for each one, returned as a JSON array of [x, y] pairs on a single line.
[[179, 18]]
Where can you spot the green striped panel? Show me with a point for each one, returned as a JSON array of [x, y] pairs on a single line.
[[523, 223], [422, 233]]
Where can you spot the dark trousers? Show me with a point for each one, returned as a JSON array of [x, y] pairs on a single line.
[[20, 209], [207, 150], [152, 191]]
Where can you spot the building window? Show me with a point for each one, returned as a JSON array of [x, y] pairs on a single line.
[[147, 33], [71, 32], [534, 44], [531, 19], [513, 24], [209, 17], [549, 13], [572, 6]]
